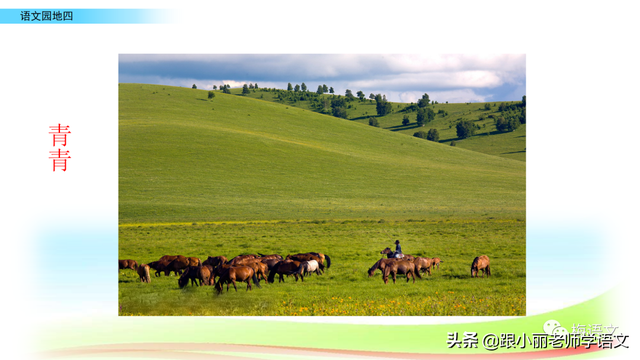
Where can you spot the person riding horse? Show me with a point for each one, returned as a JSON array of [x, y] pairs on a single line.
[[398, 253]]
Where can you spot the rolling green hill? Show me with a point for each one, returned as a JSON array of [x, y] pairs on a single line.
[[487, 139], [185, 158]]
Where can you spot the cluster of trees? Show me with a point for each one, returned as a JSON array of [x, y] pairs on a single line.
[[431, 135], [512, 115]]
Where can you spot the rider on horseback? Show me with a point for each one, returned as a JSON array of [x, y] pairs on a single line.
[[398, 253]]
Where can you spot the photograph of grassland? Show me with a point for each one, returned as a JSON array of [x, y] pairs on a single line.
[[264, 170]]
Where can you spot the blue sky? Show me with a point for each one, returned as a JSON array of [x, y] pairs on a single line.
[[453, 78]]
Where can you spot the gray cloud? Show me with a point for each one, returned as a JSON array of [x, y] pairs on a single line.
[[497, 77]]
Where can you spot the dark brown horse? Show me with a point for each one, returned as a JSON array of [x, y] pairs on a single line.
[[285, 267], [380, 265], [237, 273], [162, 265], [390, 255], [423, 264], [143, 272], [480, 263], [402, 267], [127, 264], [214, 261]]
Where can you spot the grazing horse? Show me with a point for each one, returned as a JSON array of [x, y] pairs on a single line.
[[127, 264], [310, 266], [259, 267], [239, 273], [436, 263], [380, 265], [214, 261], [423, 264], [480, 263], [270, 263], [391, 254], [194, 261], [195, 273], [285, 267], [306, 257], [164, 262], [143, 272], [402, 267]]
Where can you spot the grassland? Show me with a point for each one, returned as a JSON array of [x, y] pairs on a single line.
[[345, 288], [234, 175], [184, 158], [487, 140]]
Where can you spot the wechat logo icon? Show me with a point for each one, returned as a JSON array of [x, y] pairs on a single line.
[[552, 327]]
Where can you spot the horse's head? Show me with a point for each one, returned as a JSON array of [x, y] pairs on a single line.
[[288, 257], [385, 251]]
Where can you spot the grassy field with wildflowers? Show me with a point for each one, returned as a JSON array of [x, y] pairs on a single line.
[[345, 288]]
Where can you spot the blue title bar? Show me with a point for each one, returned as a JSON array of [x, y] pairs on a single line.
[[84, 16]]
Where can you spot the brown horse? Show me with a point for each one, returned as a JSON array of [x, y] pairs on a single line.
[[127, 264], [285, 267], [380, 265], [195, 274], [259, 267], [143, 272], [241, 258], [436, 263], [194, 261], [268, 257], [423, 264], [162, 265], [390, 255], [480, 263], [402, 267], [214, 261], [306, 257], [237, 273]]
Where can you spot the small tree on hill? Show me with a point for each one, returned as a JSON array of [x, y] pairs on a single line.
[[194, 86], [211, 95], [215, 87], [245, 89], [331, 90], [433, 135], [465, 129], [361, 95], [304, 87], [349, 95], [296, 88], [487, 106], [325, 89], [405, 120], [255, 86], [289, 87], [319, 91], [374, 122]]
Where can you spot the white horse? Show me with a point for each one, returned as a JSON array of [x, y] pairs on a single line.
[[311, 266]]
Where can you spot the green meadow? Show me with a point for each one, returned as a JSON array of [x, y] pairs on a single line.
[[234, 174], [345, 288]]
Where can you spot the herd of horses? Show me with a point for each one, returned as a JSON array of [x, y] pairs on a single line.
[[411, 266], [242, 268], [251, 267]]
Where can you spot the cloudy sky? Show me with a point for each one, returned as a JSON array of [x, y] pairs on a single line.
[[453, 78]]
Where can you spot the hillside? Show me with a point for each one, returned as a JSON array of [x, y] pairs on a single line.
[[185, 158], [487, 139]]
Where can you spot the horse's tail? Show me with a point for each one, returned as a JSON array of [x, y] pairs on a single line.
[[255, 279], [328, 260], [488, 271], [417, 272], [272, 274]]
